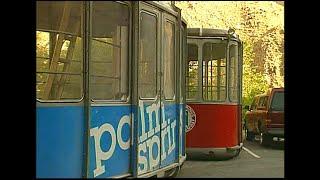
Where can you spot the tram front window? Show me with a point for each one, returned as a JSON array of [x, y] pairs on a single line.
[[214, 71], [233, 73]]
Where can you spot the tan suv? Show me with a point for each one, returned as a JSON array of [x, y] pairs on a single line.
[[265, 117]]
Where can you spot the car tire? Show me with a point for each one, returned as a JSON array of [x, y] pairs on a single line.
[[249, 135], [264, 139]]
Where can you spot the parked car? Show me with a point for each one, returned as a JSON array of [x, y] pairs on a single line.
[[265, 117]]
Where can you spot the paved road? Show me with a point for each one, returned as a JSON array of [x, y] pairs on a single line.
[[270, 164]]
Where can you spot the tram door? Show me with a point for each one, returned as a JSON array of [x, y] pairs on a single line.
[[169, 94], [156, 117]]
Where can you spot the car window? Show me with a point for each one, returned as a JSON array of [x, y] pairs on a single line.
[[254, 103], [263, 102], [277, 103], [260, 101]]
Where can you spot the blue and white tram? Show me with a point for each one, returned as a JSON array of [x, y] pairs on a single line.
[[110, 89]]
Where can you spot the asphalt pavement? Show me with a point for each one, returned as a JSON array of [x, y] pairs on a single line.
[[254, 161]]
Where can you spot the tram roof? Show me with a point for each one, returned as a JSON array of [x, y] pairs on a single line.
[[206, 32], [183, 20], [167, 5], [50, 14]]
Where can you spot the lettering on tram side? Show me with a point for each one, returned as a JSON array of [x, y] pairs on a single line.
[[191, 118], [116, 137], [149, 141]]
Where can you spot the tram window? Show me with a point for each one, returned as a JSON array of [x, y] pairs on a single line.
[[192, 72], [214, 72], [147, 78], [59, 50], [109, 51], [233, 73], [169, 60]]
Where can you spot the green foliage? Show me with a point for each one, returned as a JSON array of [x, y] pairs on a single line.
[[253, 82]]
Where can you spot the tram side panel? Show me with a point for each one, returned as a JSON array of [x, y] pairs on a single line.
[[155, 149], [109, 145], [60, 121], [110, 106], [60, 136], [212, 126], [182, 131]]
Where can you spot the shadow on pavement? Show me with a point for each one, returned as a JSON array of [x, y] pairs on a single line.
[[198, 156]]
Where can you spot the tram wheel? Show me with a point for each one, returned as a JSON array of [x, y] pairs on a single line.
[[174, 172], [237, 152]]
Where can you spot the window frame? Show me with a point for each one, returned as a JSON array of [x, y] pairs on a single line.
[[171, 20], [83, 25], [273, 97], [182, 64], [254, 103], [149, 11], [237, 48], [129, 61], [263, 100], [215, 41], [197, 97]]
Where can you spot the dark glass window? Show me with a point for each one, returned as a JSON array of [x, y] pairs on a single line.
[[277, 103], [192, 72]]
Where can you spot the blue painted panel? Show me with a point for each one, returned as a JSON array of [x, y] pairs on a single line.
[[171, 139], [134, 146], [151, 146], [148, 137], [60, 137], [111, 127], [183, 129]]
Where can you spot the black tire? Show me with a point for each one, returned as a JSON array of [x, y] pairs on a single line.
[[264, 139]]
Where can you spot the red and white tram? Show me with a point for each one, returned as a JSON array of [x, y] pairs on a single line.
[[213, 92]]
